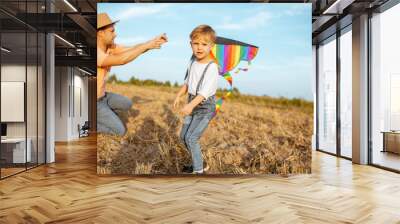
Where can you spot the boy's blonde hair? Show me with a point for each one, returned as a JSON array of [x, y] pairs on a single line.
[[204, 30]]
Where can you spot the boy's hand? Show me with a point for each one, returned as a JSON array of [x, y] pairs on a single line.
[[187, 110], [176, 102]]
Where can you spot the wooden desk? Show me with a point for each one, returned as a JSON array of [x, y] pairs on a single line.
[[391, 141]]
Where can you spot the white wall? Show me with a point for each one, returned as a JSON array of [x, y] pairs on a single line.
[[61, 103], [70, 83], [80, 94]]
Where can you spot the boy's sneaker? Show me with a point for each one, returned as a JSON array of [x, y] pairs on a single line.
[[202, 171], [187, 169]]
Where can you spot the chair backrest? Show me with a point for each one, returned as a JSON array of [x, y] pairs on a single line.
[[86, 125]]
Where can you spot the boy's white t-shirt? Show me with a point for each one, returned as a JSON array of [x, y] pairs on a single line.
[[209, 85]]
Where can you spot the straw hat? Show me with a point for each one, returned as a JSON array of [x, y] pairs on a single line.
[[104, 20]]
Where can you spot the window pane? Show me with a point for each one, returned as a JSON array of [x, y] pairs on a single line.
[[41, 98], [386, 88], [31, 97], [327, 96], [14, 153], [346, 93]]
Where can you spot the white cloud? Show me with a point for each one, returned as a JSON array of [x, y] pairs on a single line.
[[178, 43], [140, 11], [289, 65], [296, 10], [252, 22], [300, 62], [141, 39], [257, 20]]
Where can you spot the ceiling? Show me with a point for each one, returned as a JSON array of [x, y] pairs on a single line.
[[73, 21], [328, 16]]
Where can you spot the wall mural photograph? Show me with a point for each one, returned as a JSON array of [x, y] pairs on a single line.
[[204, 88]]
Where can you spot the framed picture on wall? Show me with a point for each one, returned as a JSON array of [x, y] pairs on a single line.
[[12, 98]]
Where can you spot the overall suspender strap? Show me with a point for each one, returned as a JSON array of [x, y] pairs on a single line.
[[202, 77], [190, 67]]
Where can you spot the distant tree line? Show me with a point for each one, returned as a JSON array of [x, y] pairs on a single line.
[[150, 82], [147, 82], [237, 96]]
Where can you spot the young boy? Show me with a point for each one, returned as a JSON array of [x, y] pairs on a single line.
[[201, 83]]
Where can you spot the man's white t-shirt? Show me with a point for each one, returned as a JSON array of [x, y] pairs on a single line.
[[209, 85]]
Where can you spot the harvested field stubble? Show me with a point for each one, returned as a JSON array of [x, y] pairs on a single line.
[[242, 139]]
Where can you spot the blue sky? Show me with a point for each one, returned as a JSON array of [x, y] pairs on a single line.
[[283, 66]]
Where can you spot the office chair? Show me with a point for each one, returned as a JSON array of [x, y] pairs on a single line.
[[84, 130]]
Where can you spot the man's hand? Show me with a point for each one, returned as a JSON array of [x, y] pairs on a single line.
[[163, 38], [187, 110], [157, 42]]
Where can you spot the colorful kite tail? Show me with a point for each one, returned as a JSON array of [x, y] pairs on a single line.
[[228, 77]]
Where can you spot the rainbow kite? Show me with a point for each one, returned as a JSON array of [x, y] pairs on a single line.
[[227, 54]]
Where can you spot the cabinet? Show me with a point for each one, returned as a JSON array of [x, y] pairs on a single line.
[[391, 141]]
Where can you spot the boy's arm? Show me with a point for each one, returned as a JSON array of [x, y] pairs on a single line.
[[188, 108], [182, 91], [196, 101]]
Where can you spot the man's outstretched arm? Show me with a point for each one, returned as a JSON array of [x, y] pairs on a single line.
[[123, 55], [117, 49]]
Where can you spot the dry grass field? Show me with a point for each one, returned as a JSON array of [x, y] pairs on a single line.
[[251, 135]]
